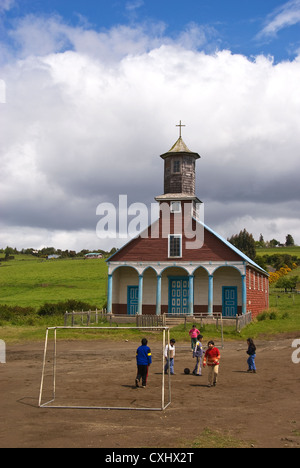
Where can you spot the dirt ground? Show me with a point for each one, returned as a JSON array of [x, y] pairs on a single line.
[[261, 409]]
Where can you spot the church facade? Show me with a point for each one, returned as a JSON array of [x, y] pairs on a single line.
[[180, 266]]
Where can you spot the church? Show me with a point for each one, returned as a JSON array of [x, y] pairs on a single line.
[[180, 266]]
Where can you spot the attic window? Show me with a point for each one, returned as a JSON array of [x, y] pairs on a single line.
[[175, 207]]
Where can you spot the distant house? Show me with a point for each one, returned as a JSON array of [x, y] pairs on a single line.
[[93, 255], [51, 257]]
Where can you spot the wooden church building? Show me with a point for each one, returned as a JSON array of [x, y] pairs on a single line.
[[180, 266]]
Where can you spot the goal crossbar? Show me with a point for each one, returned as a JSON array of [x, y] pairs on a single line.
[[51, 403]]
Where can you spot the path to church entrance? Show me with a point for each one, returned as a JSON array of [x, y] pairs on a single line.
[[262, 409]]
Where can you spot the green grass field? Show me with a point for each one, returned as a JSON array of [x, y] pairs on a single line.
[[30, 282], [295, 251]]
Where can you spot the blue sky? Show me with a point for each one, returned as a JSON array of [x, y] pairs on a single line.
[[248, 27], [90, 95]]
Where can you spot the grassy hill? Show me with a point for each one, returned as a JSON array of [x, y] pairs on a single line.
[[295, 250], [29, 281]]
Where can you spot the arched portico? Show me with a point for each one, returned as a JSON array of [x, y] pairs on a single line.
[[175, 288], [120, 279]]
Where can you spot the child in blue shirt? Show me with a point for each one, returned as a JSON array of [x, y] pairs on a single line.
[[143, 360]]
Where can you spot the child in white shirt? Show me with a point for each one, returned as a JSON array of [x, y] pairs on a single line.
[[169, 356]]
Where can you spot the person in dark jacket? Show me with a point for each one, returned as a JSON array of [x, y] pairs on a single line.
[[143, 360], [252, 355]]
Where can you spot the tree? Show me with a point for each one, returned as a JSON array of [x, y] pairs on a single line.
[[262, 241], [8, 253], [245, 243], [261, 261], [289, 241], [287, 282], [274, 243]]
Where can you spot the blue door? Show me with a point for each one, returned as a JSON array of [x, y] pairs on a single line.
[[179, 296], [132, 300], [229, 301]]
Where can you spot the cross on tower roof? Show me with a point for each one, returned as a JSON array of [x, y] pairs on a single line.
[[180, 127]]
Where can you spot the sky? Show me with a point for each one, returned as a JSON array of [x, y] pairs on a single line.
[[91, 93]]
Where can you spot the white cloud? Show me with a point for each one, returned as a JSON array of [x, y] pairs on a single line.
[[23, 237], [286, 15], [134, 4], [83, 125], [257, 219], [6, 5], [39, 36]]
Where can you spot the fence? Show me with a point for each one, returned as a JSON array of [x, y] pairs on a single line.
[[150, 320], [94, 317], [243, 320], [85, 318]]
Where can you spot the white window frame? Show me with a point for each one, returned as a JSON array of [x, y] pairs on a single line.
[[175, 203], [179, 236]]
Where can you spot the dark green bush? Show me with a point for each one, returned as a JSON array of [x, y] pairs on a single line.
[[8, 313], [263, 316], [273, 316], [62, 307], [267, 316]]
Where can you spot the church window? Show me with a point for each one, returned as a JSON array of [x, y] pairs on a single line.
[[175, 207], [176, 167], [175, 245]]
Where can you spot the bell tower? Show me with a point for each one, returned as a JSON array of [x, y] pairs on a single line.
[[179, 173]]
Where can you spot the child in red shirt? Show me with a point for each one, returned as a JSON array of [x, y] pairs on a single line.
[[212, 359]]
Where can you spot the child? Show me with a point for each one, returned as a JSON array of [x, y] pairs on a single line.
[[252, 355], [170, 359], [198, 354], [194, 332], [143, 360], [212, 359]]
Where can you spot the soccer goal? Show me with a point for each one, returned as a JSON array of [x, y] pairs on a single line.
[[56, 366]]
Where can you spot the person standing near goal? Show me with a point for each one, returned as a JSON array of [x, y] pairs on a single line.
[[143, 360], [169, 356], [212, 359]]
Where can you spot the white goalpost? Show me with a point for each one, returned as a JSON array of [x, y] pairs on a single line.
[[165, 392]]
